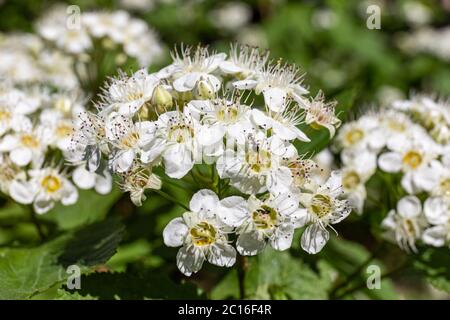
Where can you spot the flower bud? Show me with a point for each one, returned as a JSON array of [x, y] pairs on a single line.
[[162, 99], [204, 90]]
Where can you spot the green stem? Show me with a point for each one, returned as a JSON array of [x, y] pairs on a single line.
[[241, 272], [363, 284], [170, 198], [355, 273], [37, 224]]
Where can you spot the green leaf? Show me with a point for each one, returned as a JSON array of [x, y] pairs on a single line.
[[136, 284], [25, 272], [90, 207], [277, 275], [434, 264]]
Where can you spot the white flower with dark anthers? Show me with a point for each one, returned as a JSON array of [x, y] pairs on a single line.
[[283, 124], [137, 180], [88, 140], [127, 95], [321, 114], [437, 212], [302, 171], [84, 179], [45, 187], [201, 234], [258, 165], [323, 208], [412, 157], [278, 83], [220, 118], [175, 139], [126, 140], [244, 62], [405, 225], [26, 146], [364, 133], [192, 69], [272, 220], [359, 166]]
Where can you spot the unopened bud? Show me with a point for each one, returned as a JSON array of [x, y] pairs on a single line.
[[204, 90], [162, 99]]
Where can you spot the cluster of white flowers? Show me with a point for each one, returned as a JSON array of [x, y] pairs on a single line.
[[25, 60], [427, 40], [35, 132], [410, 138], [81, 33], [195, 110]]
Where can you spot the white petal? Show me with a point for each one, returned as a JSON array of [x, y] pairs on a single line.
[[21, 191], [175, 233], [222, 255], [435, 236], [189, 260], [204, 200], [390, 162], [409, 207], [250, 243], [314, 238], [177, 161], [103, 184], [245, 84], [300, 217], [279, 180], [83, 178], [43, 204], [275, 99], [282, 238], [233, 211], [124, 160], [436, 210], [186, 82], [21, 156], [209, 135], [261, 119], [229, 67], [70, 194]]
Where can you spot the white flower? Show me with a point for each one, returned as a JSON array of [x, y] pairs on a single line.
[[412, 157], [320, 114], [284, 124], [278, 83], [220, 118], [406, 223], [359, 166], [365, 133], [10, 119], [127, 140], [323, 209], [127, 95], [258, 165], [244, 62], [272, 220], [60, 129], [175, 139], [26, 146], [201, 235], [45, 187], [437, 212], [137, 180], [192, 69]]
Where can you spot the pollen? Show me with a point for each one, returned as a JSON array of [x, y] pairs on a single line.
[[51, 183], [265, 218], [203, 234], [413, 159], [321, 205], [29, 141]]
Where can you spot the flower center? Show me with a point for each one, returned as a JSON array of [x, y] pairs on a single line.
[[63, 104], [354, 136], [350, 180], [181, 133], [227, 114], [409, 227], [265, 217], [130, 139], [445, 187], [29, 141], [412, 159], [396, 126], [63, 130], [259, 160], [203, 234], [4, 115], [321, 205], [51, 183]]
